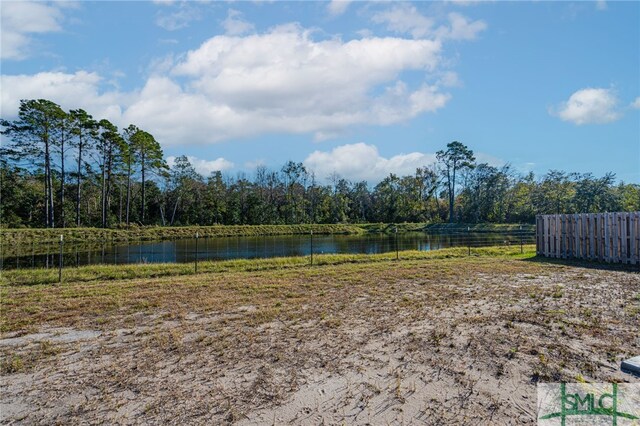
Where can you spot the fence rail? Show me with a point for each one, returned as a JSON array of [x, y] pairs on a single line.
[[606, 237]]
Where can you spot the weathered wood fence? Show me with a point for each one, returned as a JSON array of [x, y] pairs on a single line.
[[608, 237]]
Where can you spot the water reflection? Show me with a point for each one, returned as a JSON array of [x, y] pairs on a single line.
[[224, 248]]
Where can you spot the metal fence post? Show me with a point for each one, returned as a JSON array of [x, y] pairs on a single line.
[[469, 239], [397, 249], [60, 259], [312, 247], [197, 252], [521, 241]]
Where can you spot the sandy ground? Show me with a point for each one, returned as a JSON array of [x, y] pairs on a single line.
[[465, 349]]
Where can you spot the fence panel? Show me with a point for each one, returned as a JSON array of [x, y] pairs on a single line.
[[608, 237]]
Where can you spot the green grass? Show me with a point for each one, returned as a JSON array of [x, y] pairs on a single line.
[[118, 272], [478, 227], [390, 227], [27, 236]]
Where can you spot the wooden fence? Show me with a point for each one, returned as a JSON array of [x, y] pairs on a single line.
[[608, 237]]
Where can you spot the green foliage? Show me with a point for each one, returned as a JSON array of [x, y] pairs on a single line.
[[120, 179]]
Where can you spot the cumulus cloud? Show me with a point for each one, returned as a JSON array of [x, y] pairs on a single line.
[[235, 25], [22, 19], [338, 7], [282, 81], [242, 86], [589, 106], [205, 167], [636, 104], [70, 91], [363, 162], [404, 18]]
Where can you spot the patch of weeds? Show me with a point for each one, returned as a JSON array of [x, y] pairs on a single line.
[[11, 364], [543, 372], [557, 292], [333, 322], [47, 348], [168, 340]]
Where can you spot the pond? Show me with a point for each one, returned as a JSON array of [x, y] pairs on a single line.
[[250, 247]]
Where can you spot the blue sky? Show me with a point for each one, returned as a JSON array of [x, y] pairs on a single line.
[[361, 89]]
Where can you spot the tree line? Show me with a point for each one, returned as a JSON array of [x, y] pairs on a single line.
[[118, 178]]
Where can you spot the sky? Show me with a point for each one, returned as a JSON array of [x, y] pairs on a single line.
[[360, 89]]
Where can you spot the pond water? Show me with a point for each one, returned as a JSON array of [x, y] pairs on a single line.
[[224, 248]]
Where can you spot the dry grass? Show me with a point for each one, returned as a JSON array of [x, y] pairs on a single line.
[[428, 341]]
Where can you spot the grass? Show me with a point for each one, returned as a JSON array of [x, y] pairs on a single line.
[[90, 273], [29, 299], [28, 235], [390, 227], [479, 227]]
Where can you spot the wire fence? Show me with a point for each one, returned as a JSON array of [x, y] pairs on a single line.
[[74, 253]]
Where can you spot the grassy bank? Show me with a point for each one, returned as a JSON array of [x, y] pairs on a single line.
[[27, 236], [93, 273], [477, 227], [390, 227], [149, 233]]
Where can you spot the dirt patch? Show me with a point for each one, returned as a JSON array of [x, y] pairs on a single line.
[[443, 342]]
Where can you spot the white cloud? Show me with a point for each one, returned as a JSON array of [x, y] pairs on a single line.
[[465, 3], [240, 86], [235, 25], [601, 5], [205, 167], [590, 106], [460, 28], [20, 20], [243, 86], [405, 18], [70, 91], [360, 161], [338, 7], [636, 104], [449, 79], [177, 19]]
